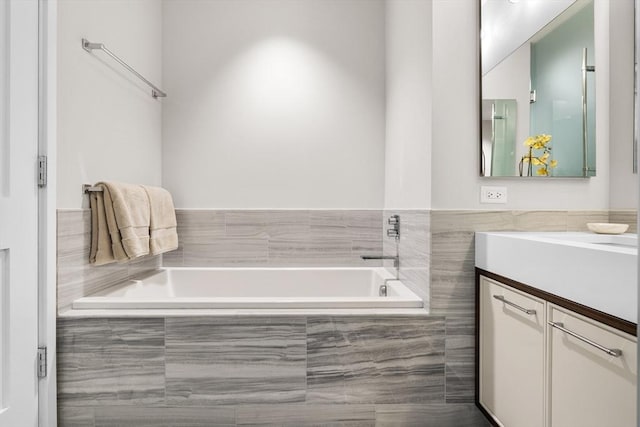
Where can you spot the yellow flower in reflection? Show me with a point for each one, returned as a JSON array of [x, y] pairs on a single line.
[[538, 142]]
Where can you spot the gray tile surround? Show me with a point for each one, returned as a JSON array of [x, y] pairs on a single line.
[[452, 248], [625, 217], [281, 415], [377, 372], [436, 247], [452, 277], [291, 371], [276, 238], [110, 361], [375, 360], [164, 417], [217, 238], [430, 415], [220, 361], [75, 416], [414, 248], [460, 359], [75, 276], [306, 415]]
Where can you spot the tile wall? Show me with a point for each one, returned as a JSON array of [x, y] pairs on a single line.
[[225, 238], [452, 248], [293, 371], [75, 276], [452, 276], [414, 248], [289, 371], [625, 217], [276, 238]]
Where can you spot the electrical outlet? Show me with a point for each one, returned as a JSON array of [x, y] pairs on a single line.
[[493, 194]]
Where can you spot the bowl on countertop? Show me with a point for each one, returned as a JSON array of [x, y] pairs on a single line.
[[607, 228]]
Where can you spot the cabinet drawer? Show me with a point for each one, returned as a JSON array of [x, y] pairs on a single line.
[[589, 384], [511, 355]]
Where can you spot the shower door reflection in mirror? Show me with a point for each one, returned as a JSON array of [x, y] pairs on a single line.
[[538, 88], [499, 120]]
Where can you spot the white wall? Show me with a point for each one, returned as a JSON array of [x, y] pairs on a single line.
[[332, 153], [624, 184], [508, 79], [523, 21], [455, 180], [276, 104], [408, 106], [108, 124]]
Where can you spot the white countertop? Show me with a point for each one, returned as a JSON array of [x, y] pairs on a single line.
[[598, 271]]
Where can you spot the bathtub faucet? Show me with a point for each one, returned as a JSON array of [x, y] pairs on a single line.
[[396, 263]]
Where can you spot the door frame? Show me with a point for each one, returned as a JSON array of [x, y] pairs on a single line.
[[47, 228], [636, 153]]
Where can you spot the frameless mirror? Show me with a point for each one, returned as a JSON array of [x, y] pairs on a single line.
[[537, 88]]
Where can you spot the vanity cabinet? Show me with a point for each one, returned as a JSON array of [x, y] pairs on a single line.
[[543, 364], [511, 355], [590, 385]]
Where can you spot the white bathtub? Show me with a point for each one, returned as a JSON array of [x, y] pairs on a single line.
[[255, 288]]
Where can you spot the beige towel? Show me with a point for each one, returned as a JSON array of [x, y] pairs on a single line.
[[127, 212], [162, 227], [101, 252]]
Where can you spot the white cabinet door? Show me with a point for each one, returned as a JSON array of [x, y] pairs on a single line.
[[511, 355], [18, 213], [588, 386]]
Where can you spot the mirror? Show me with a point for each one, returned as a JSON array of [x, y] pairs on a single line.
[[537, 88]]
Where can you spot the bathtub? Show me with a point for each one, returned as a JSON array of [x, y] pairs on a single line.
[[255, 288]]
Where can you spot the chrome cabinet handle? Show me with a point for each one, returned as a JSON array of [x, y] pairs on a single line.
[[615, 352], [526, 310]]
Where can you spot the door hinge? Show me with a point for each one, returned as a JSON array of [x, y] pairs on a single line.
[[42, 171], [532, 97], [42, 362]]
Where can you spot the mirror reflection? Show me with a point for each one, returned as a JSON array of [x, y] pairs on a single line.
[[538, 88]]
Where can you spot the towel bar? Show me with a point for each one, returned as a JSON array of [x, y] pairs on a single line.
[[88, 46], [88, 188]]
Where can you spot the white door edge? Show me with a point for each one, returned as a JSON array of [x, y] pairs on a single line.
[[47, 233]]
